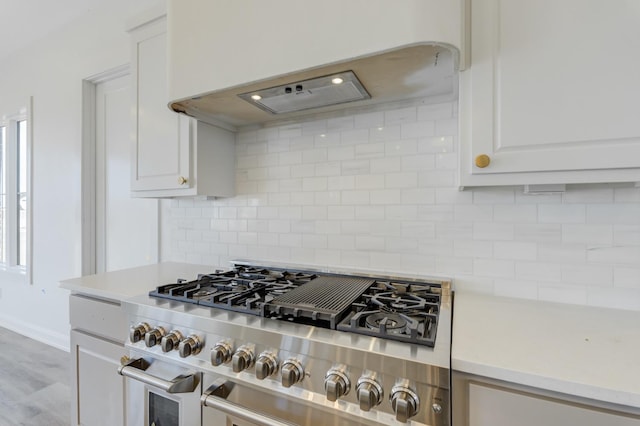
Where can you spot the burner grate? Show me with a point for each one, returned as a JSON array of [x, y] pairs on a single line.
[[324, 299]]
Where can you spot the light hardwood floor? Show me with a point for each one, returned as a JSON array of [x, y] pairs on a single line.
[[34, 382]]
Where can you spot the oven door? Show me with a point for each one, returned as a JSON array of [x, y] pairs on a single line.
[[161, 394], [225, 403]]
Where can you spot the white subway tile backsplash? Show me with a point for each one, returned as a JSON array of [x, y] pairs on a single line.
[[627, 195], [454, 265], [620, 213], [494, 196], [626, 235], [398, 116], [494, 268], [418, 162], [377, 190], [629, 255], [435, 144], [472, 249], [493, 231], [327, 197], [385, 197], [314, 184], [621, 298], [405, 147], [371, 119], [453, 196], [341, 213], [559, 252], [354, 137], [356, 198], [385, 165], [369, 243], [561, 213], [401, 180], [340, 123], [418, 129], [471, 213], [435, 112], [514, 213], [290, 212], [587, 234], [368, 212], [365, 150], [588, 195], [341, 153], [626, 277], [546, 232], [384, 133], [314, 241], [515, 250], [587, 275], [539, 271], [418, 196], [355, 167], [436, 178]]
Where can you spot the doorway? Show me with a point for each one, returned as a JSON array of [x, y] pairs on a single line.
[[119, 231]]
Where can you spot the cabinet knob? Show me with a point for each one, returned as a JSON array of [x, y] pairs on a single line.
[[182, 180], [482, 161]]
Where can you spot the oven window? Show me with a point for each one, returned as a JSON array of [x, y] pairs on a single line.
[[163, 411]]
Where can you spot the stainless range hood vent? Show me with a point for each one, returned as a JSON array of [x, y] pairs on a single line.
[[334, 89]]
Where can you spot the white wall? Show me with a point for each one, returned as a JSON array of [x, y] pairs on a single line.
[[52, 71], [377, 191]]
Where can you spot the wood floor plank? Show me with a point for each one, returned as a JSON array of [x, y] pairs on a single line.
[[34, 382]]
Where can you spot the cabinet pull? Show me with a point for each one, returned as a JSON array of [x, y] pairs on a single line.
[[182, 180], [482, 161], [134, 369]]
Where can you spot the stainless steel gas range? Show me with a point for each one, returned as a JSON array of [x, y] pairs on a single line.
[[265, 345]]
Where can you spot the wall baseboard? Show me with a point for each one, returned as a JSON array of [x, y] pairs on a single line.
[[52, 338]]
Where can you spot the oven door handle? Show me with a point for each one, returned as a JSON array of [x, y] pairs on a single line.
[[135, 369], [215, 397]]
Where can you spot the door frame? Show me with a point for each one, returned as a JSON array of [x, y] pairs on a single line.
[[88, 168]]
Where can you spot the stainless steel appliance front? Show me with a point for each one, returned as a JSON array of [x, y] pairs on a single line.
[[258, 371]]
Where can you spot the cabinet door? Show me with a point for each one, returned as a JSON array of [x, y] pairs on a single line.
[[97, 388], [552, 92], [498, 407], [160, 158]]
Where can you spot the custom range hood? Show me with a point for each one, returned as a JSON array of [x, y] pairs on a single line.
[[242, 63]]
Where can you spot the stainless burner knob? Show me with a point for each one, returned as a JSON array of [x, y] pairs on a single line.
[[137, 333], [242, 359], [190, 346], [221, 354], [336, 384], [266, 365], [370, 393], [153, 337], [171, 341], [292, 372], [404, 402]]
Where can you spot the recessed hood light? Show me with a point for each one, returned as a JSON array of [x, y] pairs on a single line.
[[337, 88]]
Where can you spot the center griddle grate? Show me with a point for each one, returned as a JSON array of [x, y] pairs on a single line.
[[325, 299]]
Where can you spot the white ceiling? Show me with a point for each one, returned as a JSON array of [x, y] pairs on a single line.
[[25, 21]]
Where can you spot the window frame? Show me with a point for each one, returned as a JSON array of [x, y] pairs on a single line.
[[11, 175]]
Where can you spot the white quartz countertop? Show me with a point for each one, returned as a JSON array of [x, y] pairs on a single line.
[[578, 350], [126, 283]]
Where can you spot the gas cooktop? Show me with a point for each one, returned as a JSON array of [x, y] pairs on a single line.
[[397, 309]]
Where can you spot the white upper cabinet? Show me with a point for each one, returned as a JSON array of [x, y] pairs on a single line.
[[172, 155], [552, 94]]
